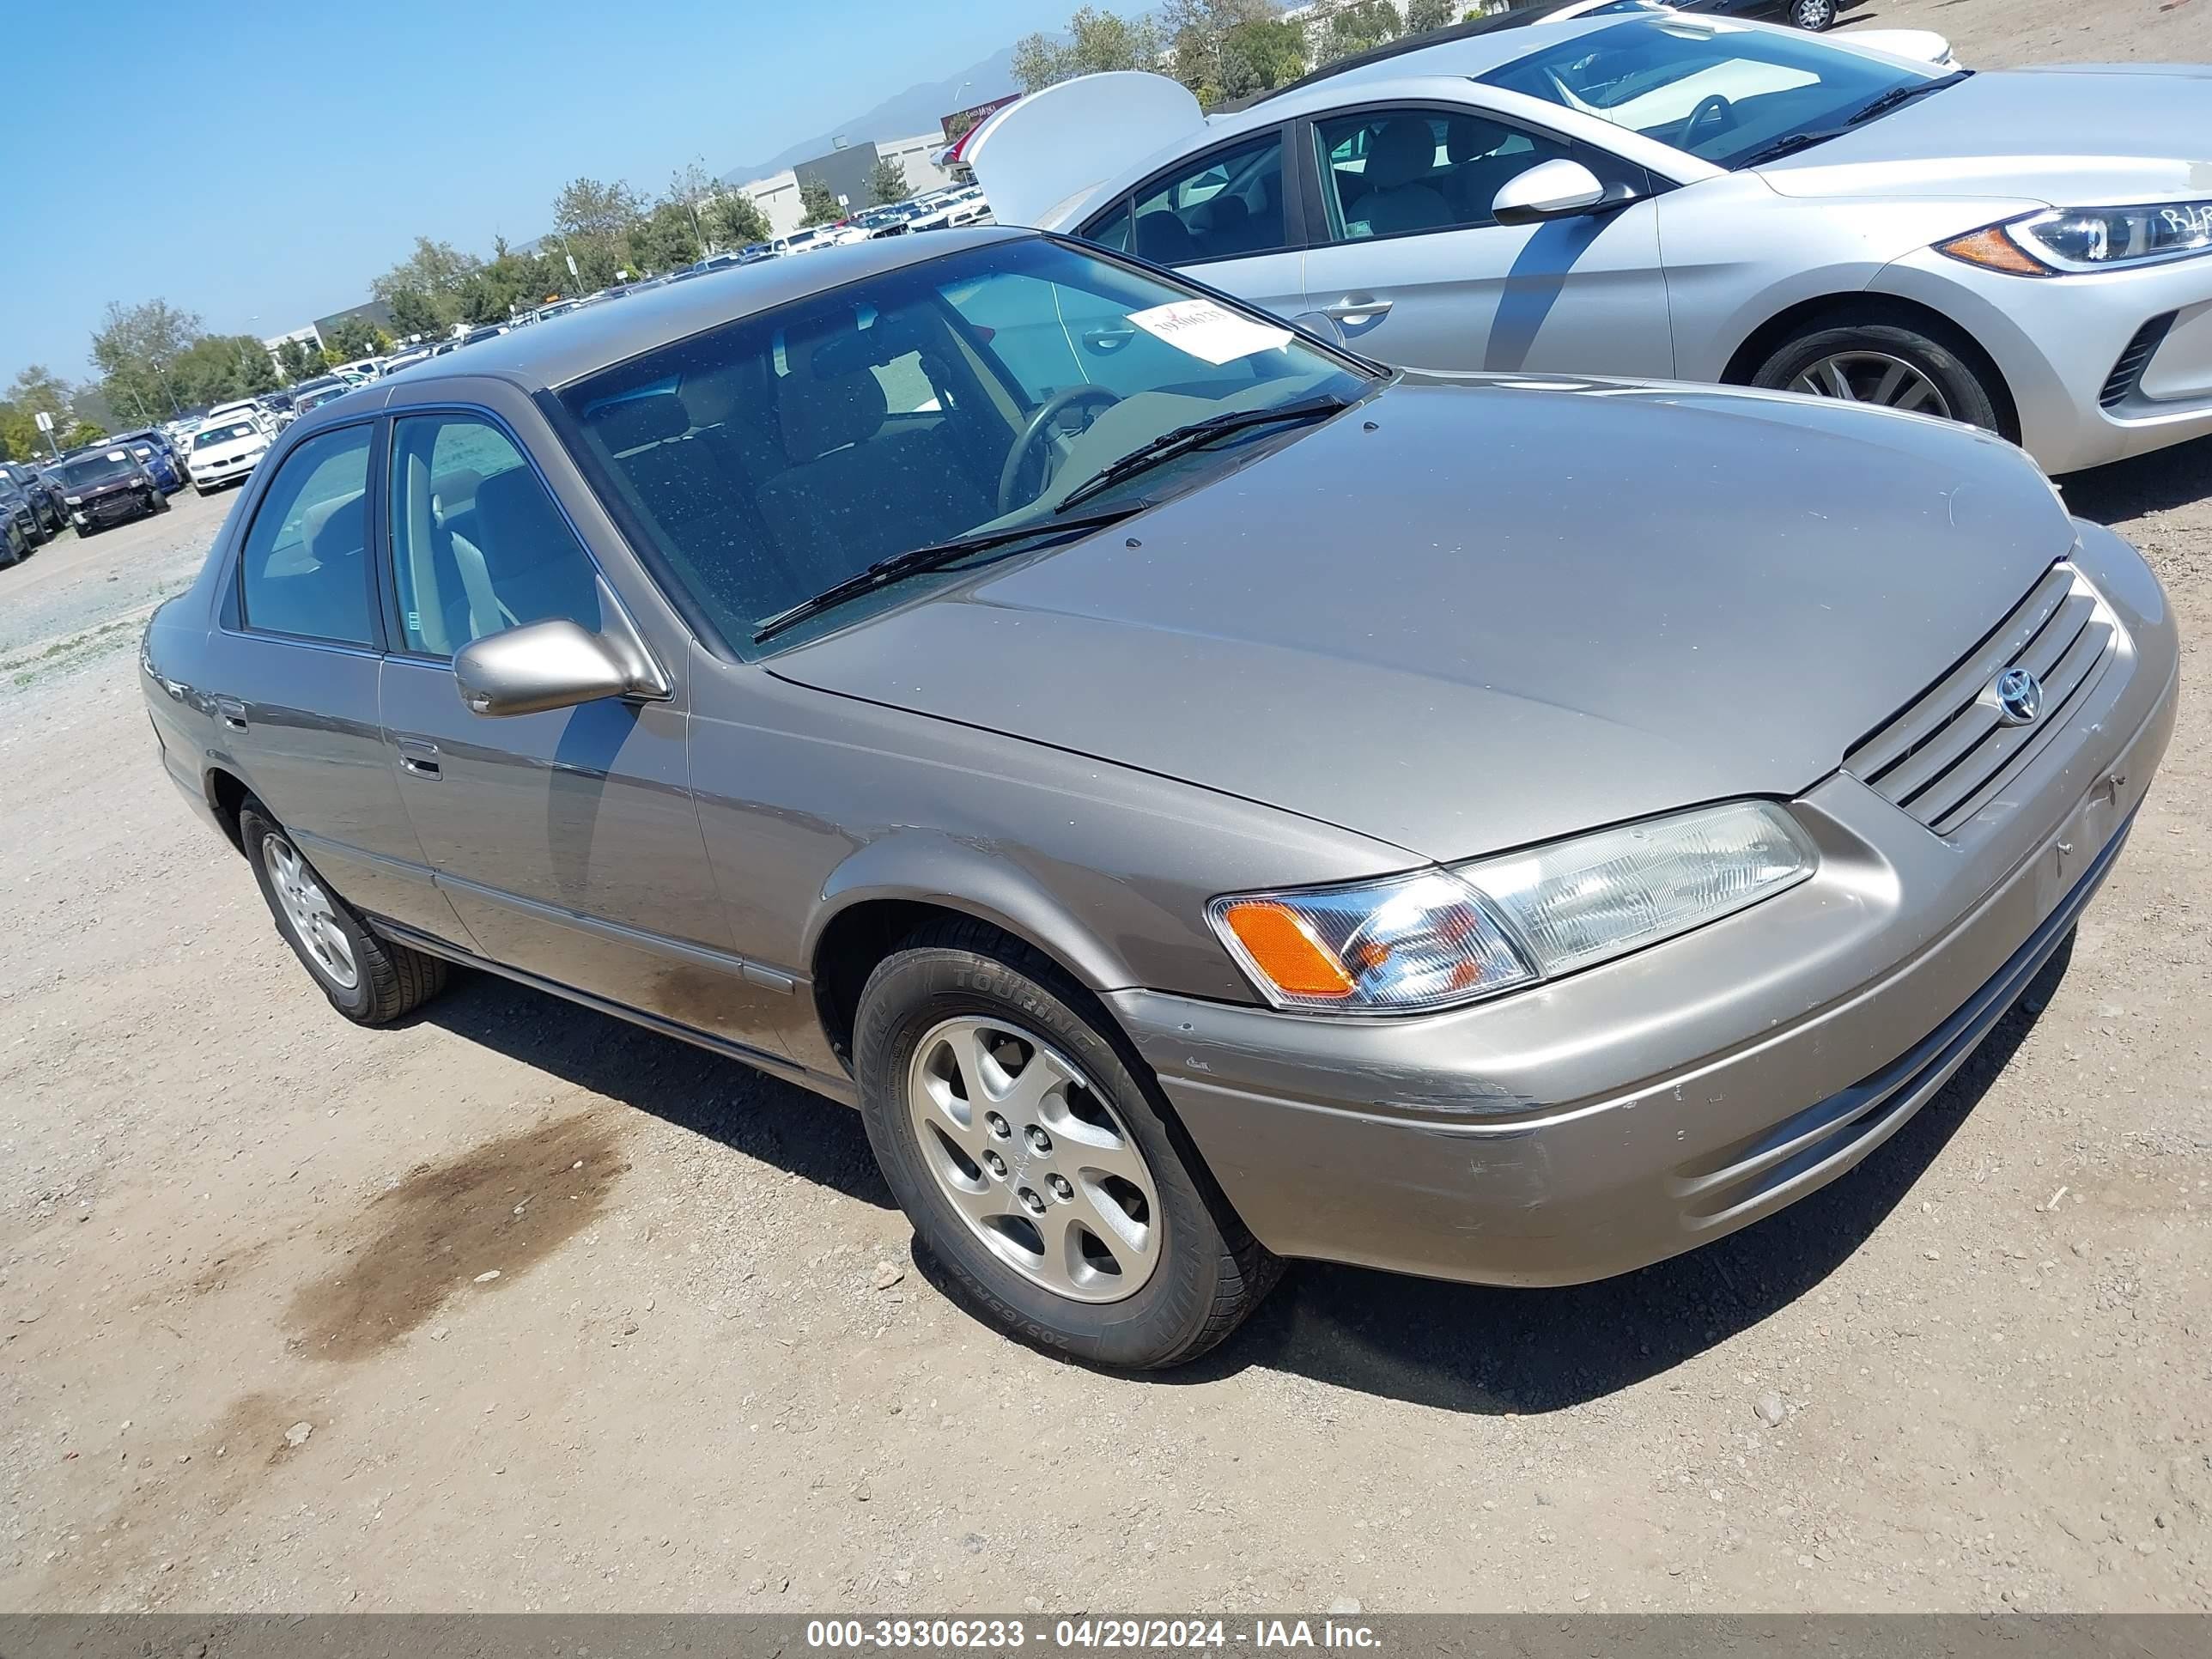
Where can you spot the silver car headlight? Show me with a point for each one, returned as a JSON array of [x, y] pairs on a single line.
[[2069, 239], [73, 501], [1415, 942]]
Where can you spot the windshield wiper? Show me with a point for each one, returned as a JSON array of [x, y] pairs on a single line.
[[884, 572], [1178, 440], [1789, 144], [1899, 96]]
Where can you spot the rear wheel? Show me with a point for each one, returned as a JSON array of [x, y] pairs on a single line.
[[371, 981], [1889, 365], [1815, 14], [1038, 1160]]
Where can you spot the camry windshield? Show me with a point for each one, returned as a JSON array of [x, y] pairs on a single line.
[[1725, 94], [1005, 395], [89, 470], [216, 435]]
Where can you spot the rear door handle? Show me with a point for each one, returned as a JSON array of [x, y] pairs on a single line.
[[1353, 309], [418, 757], [231, 711]]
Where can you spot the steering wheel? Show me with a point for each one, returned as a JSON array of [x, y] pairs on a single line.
[[1712, 104], [1039, 424]]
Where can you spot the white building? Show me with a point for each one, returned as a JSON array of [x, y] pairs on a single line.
[[845, 171]]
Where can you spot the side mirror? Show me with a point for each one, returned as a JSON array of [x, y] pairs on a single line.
[[550, 665], [1550, 190]]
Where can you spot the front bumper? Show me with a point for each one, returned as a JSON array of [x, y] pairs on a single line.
[[1623, 1114], [207, 475], [2063, 345], [121, 507]]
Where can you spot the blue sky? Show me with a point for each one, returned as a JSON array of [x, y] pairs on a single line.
[[262, 165]]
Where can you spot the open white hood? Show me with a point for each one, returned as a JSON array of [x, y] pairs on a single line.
[[1040, 156]]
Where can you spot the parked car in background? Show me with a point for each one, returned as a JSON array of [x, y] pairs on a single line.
[[361, 369], [1813, 14], [406, 359], [224, 451], [1797, 211], [488, 331], [866, 671], [40, 491], [23, 514], [106, 484], [150, 446], [310, 394], [15, 546]]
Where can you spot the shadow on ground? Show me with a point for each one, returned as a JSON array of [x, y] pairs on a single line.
[[1454, 1346], [2156, 483], [746, 1111]]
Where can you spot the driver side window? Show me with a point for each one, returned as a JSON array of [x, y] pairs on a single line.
[[1397, 172], [477, 545]]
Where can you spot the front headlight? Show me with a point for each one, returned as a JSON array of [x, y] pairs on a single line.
[[1412, 943], [2066, 239], [73, 501]]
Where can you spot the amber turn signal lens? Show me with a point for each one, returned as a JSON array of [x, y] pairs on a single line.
[[1283, 948], [1992, 249]]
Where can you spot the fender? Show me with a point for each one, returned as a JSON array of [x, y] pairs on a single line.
[[927, 866]]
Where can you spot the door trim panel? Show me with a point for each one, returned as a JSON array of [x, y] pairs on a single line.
[[753, 972]]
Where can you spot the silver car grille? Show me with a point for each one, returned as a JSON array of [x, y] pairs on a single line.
[[1947, 753]]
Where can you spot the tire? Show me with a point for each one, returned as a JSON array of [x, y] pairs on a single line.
[[160, 502], [1948, 364], [1813, 14], [1196, 1272], [199, 492], [386, 979]]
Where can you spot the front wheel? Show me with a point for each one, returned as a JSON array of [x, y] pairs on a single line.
[[1038, 1160], [371, 981], [1889, 365], [1815, 14]]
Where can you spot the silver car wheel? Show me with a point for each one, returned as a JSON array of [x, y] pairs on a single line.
[[1813, 14], [308, 909], [1873, 377], [1034, 1160]]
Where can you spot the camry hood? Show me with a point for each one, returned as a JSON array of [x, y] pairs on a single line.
[[1469, 615], [2094, 135]]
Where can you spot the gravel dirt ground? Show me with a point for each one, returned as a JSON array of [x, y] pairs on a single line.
[[253, 1358]]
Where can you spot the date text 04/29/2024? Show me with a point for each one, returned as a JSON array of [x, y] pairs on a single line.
[[1011, 1635]]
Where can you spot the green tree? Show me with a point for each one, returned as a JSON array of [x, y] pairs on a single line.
[[84, 432], [38, 388], [353, 337], [511, 281], [1259, 57], [594, 220], [692, 188], [817, 205], [1096, 41], [133, 347], [414, 312], [736, 221], [1361, 26], [666, 238], [19, 437], [1198, 31], [217, 368], [298, 361], [887, 181], [1423, 16]]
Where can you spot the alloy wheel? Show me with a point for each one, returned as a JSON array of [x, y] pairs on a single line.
[[1813, 14], [308, 909], [1873, 377], [1034, 1160]]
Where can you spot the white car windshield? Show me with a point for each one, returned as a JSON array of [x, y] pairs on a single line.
[[1726, 95], [215, 436]]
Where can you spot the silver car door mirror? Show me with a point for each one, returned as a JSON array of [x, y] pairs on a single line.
[[549, 665], [1550, 190]]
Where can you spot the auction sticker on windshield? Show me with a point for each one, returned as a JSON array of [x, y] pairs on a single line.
[[1207, 330]]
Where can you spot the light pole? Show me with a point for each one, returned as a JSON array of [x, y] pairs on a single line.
[[175, 408]]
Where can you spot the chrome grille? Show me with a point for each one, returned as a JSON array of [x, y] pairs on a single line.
[[1947, 753]]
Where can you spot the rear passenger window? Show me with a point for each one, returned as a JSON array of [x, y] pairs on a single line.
[[477, 545], [305, 568], [1228, 205]]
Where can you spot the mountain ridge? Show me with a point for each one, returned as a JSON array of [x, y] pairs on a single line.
[[917, 109]]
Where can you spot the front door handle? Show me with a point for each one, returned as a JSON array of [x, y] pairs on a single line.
[[1352, 308], [418, 757], [231, 711]]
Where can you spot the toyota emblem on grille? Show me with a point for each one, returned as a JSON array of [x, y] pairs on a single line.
[[2019, 696]]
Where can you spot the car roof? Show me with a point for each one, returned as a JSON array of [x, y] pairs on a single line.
[[591, 337]]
